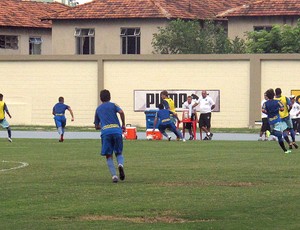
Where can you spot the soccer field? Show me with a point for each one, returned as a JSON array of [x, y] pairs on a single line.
[[169, 185]]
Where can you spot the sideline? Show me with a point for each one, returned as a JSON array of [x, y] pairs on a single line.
[[23, 165]]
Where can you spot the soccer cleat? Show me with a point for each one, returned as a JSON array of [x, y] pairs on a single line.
[[61, 138], [183, 140], [169, 138], [115, 179], [266, 139], [288, 151], [9, 139], [191, 138], [177, 139], [205, 139], [295, 145], [290, 146], [121, 172]]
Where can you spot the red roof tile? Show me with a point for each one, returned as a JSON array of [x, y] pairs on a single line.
[[117, 9], [265, 8], [17, 13]]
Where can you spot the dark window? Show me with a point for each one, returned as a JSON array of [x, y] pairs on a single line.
[[131, 40], [35, 45], [85, 41], [259, 28], [9, 42]]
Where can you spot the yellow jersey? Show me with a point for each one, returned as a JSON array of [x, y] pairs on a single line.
[[2, 112], [171, 104], [284, 101]]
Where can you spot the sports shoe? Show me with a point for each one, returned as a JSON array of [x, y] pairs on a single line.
[[260, 139], [290, 146], [191, 137], [169, 138], [288, 151], [183, 140], [61, 138], [9, 139], [177, 139], [115, 179], [121, 172], [205, 139], [266, 139], [295, 145]]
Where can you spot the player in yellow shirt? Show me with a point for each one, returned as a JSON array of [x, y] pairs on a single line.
[[3, 121], [285, 117]]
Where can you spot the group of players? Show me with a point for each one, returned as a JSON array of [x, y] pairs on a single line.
[[106, 120], [277, 108]]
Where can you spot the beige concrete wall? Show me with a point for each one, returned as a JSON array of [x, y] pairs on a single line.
[[123, 77], [284, 74], [31, 88], [107, 35], [32, 84], [23, 35], [237, 26]]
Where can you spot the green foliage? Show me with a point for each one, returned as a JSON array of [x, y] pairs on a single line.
[[281, 39], [189, 37]]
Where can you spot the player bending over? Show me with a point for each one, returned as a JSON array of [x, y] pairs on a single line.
[[163, 115]]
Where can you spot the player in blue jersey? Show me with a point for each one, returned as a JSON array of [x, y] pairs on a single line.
[[107, 120], [272, 107], [163, 116], [59, 116], [3, 121]]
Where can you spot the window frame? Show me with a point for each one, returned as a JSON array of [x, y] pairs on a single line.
[[35, 45], [81, 34], [130, 35], [9, 42]]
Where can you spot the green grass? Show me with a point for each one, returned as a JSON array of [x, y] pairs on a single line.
[[169, 185]]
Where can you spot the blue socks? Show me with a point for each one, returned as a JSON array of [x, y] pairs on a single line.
[[111, 166]]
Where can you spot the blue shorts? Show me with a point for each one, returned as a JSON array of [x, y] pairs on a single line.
[[163, 127], [4, 123], [111, 143], [60, 121]]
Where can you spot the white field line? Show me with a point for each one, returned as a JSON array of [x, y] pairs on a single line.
[[22, 165]]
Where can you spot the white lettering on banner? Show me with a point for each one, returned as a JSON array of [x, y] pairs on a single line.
[[150, 99]]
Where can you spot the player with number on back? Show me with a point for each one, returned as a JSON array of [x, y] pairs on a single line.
[[107, 120]]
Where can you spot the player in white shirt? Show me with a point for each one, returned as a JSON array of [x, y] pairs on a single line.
[[192, 114], [295, 114], [206, 106]]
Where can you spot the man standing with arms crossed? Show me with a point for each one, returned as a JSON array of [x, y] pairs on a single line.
[[107, 120], [206, 106], [3, 122]]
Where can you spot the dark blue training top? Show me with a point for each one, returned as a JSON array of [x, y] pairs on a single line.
[[272, 107], [60, 108], [106, 116], [164, 116]]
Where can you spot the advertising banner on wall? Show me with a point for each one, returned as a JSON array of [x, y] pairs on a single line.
[[150, 99], [296, 92]]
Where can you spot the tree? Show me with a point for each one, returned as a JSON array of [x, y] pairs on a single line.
[[188, 37], [281, 39]]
